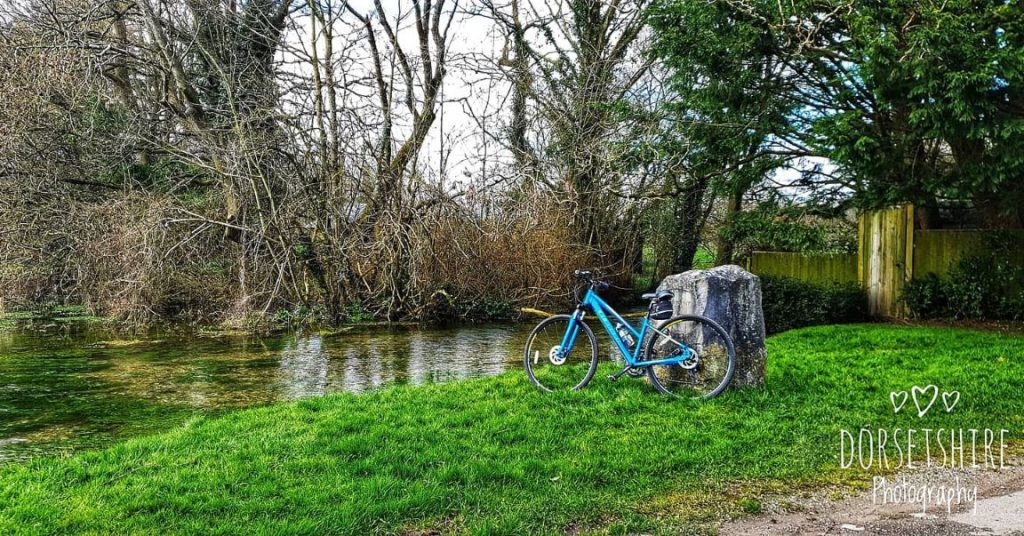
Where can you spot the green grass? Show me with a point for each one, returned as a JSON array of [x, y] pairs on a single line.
[[494, 456], [703, 259], [644, 280], [59, 313]]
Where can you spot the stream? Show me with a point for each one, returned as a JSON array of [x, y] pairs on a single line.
[[65, 388]]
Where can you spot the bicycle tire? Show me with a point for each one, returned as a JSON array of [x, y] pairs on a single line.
[[652, 373], [547, 324]]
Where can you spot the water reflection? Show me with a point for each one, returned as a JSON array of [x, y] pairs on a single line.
[[304, 368], [78, 389]]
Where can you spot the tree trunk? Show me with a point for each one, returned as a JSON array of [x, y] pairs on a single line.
[[726, 243]]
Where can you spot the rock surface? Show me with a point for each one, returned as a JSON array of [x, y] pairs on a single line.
[[731, 296]]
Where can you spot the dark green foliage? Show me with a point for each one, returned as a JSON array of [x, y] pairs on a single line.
[[950, 71], [926, 297], [447, 304], [303, 315], [771, 227], [790, 303], [979, 288], [723, 75], [911, 101], [986, 285], [724, 100], [487, 308], [356, 312]]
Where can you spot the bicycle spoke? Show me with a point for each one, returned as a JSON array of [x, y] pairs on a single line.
[[703, 355], [553, 367]]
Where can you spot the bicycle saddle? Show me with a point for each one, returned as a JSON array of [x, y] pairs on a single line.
[[660, 295]]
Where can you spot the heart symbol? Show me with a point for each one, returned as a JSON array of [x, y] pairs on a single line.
[[955, 396], [902, 396], [915, 391]]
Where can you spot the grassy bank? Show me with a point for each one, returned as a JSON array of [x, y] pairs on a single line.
[[495, 456], [47, 317]]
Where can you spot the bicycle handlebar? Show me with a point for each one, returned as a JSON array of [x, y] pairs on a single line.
[[588, 277]]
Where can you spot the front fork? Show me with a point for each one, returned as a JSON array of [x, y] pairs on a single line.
[[571, 332]]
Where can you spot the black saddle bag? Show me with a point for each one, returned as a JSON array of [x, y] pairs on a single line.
[[661, 308]]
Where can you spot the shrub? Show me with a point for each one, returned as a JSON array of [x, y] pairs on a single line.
[[488, 308], [773, 227], [491, 266], [356, 312], [133, 265], [986, 285], [790, 303], [926, 297]]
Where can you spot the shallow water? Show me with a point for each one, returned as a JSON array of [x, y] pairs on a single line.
[[68, 388]]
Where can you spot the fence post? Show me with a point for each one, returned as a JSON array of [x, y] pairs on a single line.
[[886, 257]]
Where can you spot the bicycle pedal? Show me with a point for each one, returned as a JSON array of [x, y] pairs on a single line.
[[613, 378]]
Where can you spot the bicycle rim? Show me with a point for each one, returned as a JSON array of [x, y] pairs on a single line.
[[709, 358], [549, 366]]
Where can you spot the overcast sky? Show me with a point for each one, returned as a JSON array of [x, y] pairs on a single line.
[[466, 93]]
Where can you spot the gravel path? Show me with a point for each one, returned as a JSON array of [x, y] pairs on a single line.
[[997, 511]]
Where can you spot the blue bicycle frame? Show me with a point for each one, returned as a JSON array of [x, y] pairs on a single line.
[[602, 310]]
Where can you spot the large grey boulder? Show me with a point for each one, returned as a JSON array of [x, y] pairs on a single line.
[[731, 296]]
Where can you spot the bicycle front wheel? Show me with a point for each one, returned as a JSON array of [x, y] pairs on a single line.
[[554, 368], [706, 356]]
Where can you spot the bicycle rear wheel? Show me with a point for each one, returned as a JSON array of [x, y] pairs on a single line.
[[708, 357], [551, 367]]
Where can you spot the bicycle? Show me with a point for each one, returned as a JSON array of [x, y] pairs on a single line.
[[686, 355]]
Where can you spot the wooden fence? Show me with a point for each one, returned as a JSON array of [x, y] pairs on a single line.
[[885, 257], [936, 251], [816, 269], [890, 252]]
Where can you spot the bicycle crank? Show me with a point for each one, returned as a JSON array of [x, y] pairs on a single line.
[[632, 372], [636, 372]]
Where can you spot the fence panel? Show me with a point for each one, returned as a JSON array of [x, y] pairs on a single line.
[[937, 250], [815, 269], [890, 252]]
